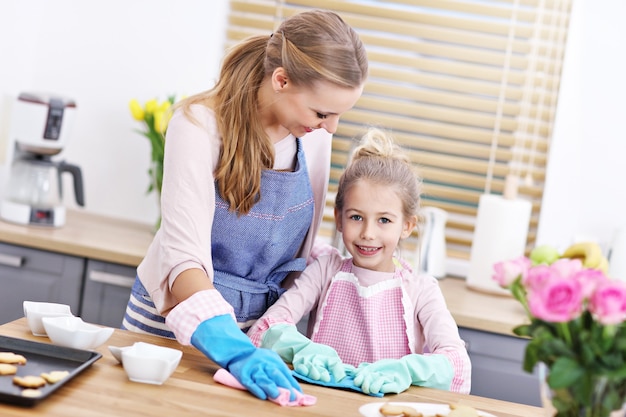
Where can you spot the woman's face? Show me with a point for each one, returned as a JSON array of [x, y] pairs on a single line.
[[301, 110]]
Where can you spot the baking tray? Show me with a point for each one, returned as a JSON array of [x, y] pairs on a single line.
[[41, 357]]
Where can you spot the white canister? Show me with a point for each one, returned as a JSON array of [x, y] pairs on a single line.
[[500, 235]]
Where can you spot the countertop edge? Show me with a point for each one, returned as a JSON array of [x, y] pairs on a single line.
[[86, 235]]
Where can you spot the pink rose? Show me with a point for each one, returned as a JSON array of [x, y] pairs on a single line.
[[506, 272], [537, 276], [590, 279], [564, 268], [567, 267], [557, 299], [608, 302]]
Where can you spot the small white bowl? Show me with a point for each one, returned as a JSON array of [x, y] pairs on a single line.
[[74, 332], [34, 311], [116, 351], [148, 363]]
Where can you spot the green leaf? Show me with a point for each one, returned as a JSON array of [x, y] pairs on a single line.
[[564, 373], [530, 357], [522, 330]]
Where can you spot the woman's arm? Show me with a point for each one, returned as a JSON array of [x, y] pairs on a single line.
[[183, 243], [189, 282]]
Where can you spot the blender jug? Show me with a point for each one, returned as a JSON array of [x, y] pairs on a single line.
[[432, 242], [35, 195]]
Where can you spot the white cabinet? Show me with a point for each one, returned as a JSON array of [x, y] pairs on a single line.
[[37, 275], [497, 367]]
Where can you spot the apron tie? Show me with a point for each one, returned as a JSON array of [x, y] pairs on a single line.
[[256, 297], [278, 275]]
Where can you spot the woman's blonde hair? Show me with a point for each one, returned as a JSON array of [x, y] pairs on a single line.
[[377, 159], [312, 46]]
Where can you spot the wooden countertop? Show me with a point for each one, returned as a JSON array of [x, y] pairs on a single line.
[[104, 390], [481, 311], [93, 236], [86, 235]]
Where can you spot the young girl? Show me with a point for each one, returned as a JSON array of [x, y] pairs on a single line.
[[244, 186], [369, 310]]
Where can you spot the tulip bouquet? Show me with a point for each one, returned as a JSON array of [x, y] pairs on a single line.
[[155, 116], [576, 326]]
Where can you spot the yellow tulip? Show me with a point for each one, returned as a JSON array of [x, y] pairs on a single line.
[[151, 105], [164, 106], [136, 110], [160, 121]]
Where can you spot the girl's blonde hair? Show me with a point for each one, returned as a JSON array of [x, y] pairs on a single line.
[[312, 46], [379, 160]]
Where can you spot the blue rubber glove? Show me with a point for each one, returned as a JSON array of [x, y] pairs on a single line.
[[261, 371], [313, 360], [397, 375]]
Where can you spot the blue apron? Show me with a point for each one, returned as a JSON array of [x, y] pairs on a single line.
[[253, 254]]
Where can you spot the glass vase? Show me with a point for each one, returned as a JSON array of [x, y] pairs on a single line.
[[571, 406], [156, 180]]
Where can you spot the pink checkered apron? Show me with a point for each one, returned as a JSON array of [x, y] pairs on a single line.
[[363, 324]]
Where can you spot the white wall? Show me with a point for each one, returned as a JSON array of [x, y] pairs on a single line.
[[102, 54], [585, 192]]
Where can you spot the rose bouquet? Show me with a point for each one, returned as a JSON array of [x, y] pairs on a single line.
[[576, 328]]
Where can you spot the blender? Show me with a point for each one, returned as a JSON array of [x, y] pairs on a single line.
[[34, 194]]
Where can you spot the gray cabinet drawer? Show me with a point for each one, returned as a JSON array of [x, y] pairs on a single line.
[[497, 367], [106, 291], [37, 275]]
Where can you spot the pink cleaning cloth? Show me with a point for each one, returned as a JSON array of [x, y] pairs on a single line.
[[226, 378]]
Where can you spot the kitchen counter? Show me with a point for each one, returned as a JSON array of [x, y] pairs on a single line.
[[123, 242], [104, 390], [481, 311], [85, 235]]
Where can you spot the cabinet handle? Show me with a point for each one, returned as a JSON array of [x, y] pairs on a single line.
[[11, 260], [111, 279]]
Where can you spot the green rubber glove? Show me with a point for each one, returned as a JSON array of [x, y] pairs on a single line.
[[313, 360], [397, 375]]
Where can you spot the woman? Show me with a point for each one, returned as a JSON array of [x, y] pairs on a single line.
[[245, 172]]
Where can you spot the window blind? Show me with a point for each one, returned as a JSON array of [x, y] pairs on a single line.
[[470, 88]]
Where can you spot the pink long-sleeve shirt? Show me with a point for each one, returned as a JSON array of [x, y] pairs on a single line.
[[188, 199], [434, 329]]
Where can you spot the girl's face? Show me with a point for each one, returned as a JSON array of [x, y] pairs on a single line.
[[372, 225], [301, 110]]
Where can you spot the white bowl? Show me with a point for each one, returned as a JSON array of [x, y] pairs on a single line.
[[148, 363], [116, 351], [34, 311], [74, 332]]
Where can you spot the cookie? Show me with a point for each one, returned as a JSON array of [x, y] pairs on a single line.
[[462, 411], [7, 369], [399, 410], [10, 357], [31, 393], [29, 381], [54, 376]]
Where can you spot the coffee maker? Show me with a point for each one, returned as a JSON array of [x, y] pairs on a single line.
[[40, 127]]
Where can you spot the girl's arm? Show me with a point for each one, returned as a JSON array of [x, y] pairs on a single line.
[[441, 332], [298, 301]]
